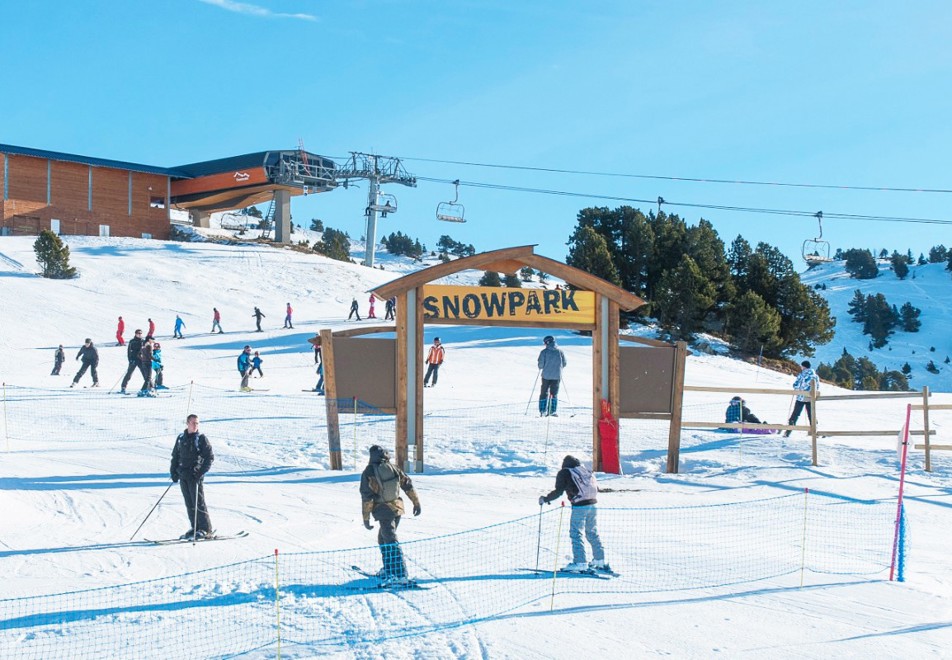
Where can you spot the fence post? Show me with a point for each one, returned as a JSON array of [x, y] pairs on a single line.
[[902, 483], [925, 426], [803, 542], [813, 412], [277, 602]]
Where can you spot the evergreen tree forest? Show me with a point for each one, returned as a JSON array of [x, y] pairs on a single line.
[[750, 296]]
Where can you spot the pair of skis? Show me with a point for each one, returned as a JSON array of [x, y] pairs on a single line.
[[214, 537], [589, 572], [380, 585]]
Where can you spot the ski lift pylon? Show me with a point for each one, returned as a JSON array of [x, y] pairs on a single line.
[[817, 251], [451, 211]]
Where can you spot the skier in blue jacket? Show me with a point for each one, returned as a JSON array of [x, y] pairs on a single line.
[[244, 367]]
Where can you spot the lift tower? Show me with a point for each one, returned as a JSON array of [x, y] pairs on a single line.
[[377, 170]]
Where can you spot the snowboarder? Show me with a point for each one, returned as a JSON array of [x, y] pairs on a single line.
[[804, 383], [354, 310], [579, 484], [244, 367], [145, 366], [258, 316], [151, 328], [373, 301], [380, 485], [133, 351], [256, 364], [216, 320], [287, 317], [59, 357], [737, 411], [120, 328], [157, 367], [90, 357], [390, 308], [434, 358], [179, 324], [192, 456], [551, 362]]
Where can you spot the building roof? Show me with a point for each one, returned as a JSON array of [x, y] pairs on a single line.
[[87, 160]]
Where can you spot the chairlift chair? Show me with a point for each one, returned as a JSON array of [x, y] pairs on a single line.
[[386, 203], [451, 211], [817, 251]]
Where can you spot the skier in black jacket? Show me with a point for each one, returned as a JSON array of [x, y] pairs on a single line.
[[192, 457], [578, 482], [58, 359], [133, 354], [90, 357]]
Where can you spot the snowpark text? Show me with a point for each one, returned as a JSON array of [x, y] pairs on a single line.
[[491, 303]]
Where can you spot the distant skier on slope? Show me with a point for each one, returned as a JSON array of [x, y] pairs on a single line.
[[133, 355], [373, 301], [179, 324], [90, 357], [551, 362], [59, 357], [157, 367], [380, 485], [354, 310], [145, 366], [244, 367], [258, 314], [192, 457], [287, 317], [120, 328], [434, 359], [216, 320]]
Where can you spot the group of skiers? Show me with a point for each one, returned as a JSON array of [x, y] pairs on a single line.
[[390, 313], [144, 356], [738, 412]]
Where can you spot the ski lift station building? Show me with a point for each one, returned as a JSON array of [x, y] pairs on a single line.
[[71, 194]]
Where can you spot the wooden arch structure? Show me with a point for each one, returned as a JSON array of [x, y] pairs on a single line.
[[599, 314]]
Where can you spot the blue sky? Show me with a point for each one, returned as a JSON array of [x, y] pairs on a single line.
[[845, 93]]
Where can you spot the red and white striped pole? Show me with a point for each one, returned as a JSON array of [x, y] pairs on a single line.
[[902, 484]]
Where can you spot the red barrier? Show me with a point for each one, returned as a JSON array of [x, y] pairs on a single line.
[[608, 434]]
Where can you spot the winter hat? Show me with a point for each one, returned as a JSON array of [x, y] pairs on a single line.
[[805, 363], [570, 461], [736, 398], [87, 340], [156, 345], [548, 340], [378, 454]]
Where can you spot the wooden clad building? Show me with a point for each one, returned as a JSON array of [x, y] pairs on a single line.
[[72, 194]]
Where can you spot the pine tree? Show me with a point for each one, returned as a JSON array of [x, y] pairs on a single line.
[[753, 325], [861, 264], [909, 316], [334, 244], [512, 281], [899, 265], [683, 297], [490, 278], [857, 306], [938, 254], [588, 251], [526, 274], [53, 256]]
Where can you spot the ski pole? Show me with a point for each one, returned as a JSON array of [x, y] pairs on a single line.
[[568, 399], [198, 484], [150, 513], [532, 392]]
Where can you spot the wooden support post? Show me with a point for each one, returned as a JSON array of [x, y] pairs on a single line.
[[677, 399], [925, 427], [599, 339], [813, 391], [330, 401], [415, 306]]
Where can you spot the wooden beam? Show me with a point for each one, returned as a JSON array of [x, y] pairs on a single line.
[[363, 330], [400, 440], [418, 440], [582, 280], [330, 401], [677, 400], [746, 390], [936, 447]]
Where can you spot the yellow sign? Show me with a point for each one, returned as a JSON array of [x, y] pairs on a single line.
[[488, 303]]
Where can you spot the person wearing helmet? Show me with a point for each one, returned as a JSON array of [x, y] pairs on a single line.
[[157, 367], [380, 485], [579, 484], [551, 362], [90, 357], [737, 411]]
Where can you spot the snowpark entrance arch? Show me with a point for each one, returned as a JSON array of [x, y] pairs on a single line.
[[592, 304]]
